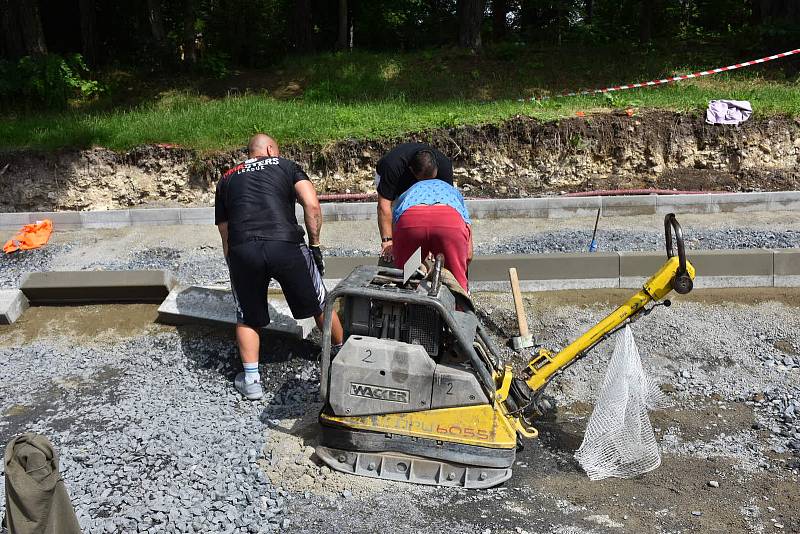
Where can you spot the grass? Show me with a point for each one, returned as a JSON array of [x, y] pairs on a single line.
[[333, 96]]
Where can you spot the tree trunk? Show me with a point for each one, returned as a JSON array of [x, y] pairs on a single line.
[[341, 42], [499, 23], [189, 37], [156, 23], [589, 11], [88, 30], [645, 20], [13, 46], [22, 28], [303, 34], [469, 23]]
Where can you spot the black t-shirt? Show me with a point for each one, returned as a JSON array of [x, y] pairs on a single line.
[[396, 177], [257, 200]]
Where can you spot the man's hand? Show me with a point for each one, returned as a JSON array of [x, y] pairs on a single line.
[[386, 251], [316, 254]]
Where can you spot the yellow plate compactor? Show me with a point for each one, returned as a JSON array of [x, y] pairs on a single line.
[[418, 393]]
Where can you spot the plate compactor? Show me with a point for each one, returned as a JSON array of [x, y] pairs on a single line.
[[418, 392]]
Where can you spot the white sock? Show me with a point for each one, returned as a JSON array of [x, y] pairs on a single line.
[[251, 373]]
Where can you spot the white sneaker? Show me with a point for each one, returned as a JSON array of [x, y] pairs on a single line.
[[252, 391]]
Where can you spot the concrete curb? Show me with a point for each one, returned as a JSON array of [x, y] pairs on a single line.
[[13, 304], [92, 287], [213, 305], [532, 208]]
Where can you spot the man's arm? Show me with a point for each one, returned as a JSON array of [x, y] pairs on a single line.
[[223, 233], [470, 248], [385, 224], [312, 212]]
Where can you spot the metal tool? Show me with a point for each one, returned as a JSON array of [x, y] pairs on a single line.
[[525, 339], [593, 244]]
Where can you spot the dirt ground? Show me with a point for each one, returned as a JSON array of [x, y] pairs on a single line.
[[519, 158]]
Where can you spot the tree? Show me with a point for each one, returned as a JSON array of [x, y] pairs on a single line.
[[645, 20], [22, 28], [499, 22], [343, 40], [470, 19], [88, 30], [189, 36], [156, 19], [303, 26]]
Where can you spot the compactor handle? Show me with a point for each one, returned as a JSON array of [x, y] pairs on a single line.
[[436, 278], [682, 282]]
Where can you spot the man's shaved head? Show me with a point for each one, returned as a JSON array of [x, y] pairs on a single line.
[[262, 145]]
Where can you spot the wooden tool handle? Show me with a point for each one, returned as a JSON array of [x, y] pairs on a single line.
[[522, 319]]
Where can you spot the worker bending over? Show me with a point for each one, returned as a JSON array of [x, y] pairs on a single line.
[[261, 240], [396, 172], [432, 215]]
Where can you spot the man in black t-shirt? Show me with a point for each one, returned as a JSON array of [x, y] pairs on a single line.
[[261, 240], [396, 172]]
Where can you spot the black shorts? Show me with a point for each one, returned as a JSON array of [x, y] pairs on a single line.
[[253, 264]]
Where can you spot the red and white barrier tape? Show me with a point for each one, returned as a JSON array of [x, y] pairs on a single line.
[[667, 80]]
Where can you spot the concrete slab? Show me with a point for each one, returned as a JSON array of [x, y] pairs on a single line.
[[62, 220], [508, 208], [750, 262], [570, 266], [684, 204], [210, 305], [338, 267], [84, 287], [106, 219], [547, 285], [345, 211], [784, 201], [740, 202], [14, 221], [13, 304], [197, 215], [156, 216], [787, 267], [628, 205], [563, 207]]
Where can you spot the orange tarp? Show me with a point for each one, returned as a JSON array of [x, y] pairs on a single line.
[[30, 236]]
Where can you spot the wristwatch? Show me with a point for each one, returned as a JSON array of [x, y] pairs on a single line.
[[385, 239]]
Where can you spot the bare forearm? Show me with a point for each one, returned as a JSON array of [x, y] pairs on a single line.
[[385, 219], [223, 234], [313, 219]]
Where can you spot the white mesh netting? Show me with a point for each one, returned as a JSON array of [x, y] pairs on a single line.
[[619, 439]]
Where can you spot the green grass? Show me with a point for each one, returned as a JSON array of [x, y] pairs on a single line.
[[381, 95]]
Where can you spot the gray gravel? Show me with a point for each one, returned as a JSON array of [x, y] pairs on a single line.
[[618, 241], [151, 435], [14, 265]]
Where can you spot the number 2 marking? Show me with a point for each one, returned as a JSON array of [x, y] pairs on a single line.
[[449, 388], [368, 357]]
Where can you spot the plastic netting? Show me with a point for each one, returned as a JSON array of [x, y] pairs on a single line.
[[619, 439]]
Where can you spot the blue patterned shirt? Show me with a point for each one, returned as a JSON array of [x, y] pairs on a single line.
[[428, 193]]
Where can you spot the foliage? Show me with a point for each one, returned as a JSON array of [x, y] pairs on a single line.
[[367, 95], [51, 80]]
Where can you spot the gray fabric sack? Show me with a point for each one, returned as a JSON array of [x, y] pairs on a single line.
[[36, 499]]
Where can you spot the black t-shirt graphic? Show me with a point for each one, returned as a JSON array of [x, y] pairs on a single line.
[[257, 199], [396, 177]]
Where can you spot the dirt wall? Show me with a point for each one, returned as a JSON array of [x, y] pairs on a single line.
[[520, 157]]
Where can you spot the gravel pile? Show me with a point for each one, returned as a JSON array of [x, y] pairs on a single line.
[[152, 436], [201, 266], [613, 241], [14, 265], [616, 240]]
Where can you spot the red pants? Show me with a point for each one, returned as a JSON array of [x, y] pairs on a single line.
[[436, 229]]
